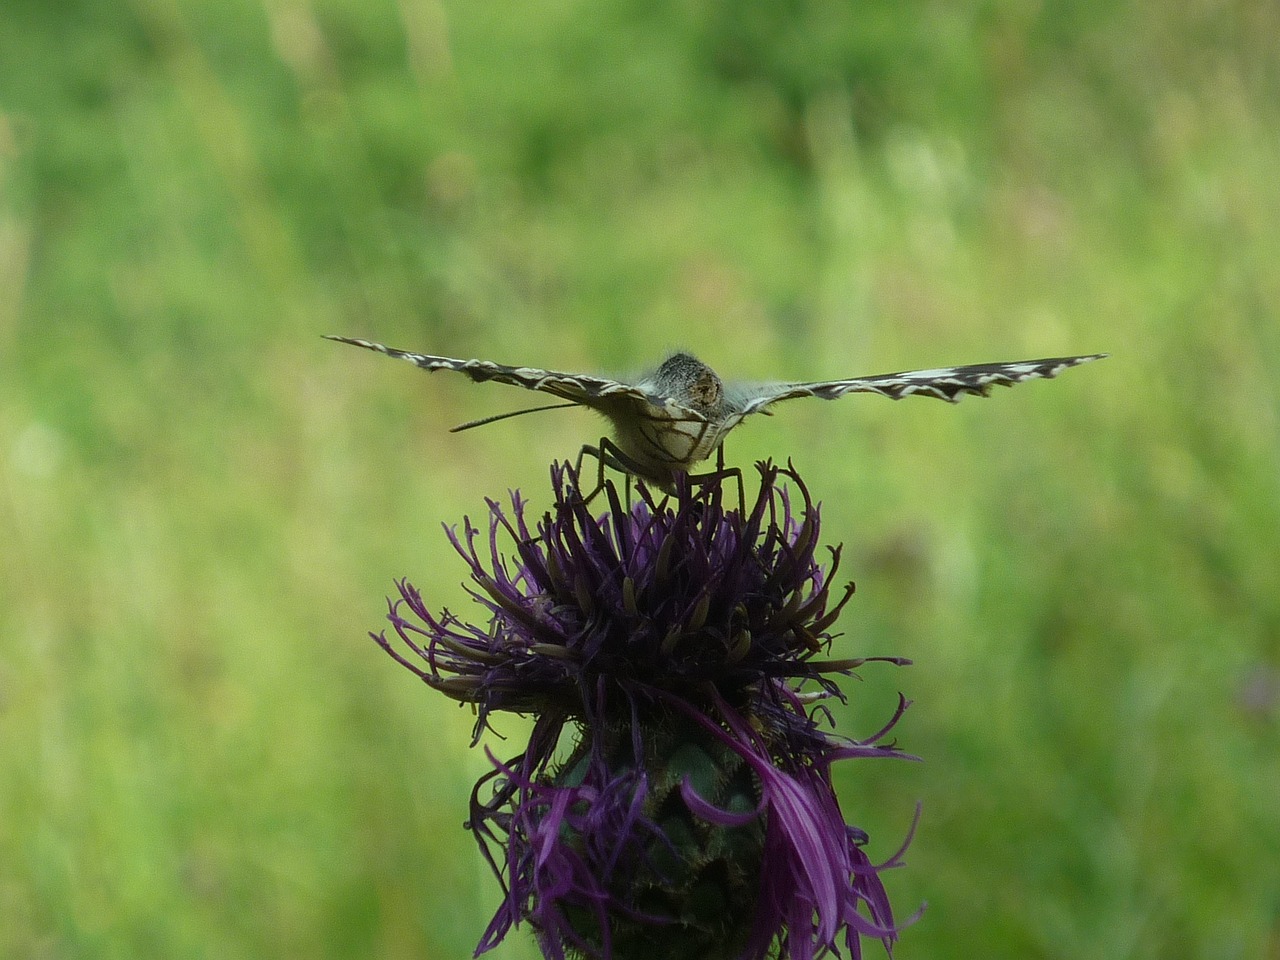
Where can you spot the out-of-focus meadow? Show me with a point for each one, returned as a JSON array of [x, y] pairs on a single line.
[[202, 503]]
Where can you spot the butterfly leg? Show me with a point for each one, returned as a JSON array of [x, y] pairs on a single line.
[[586, 451], [610, 455], [606, 455], [737, 475], [718, 476]]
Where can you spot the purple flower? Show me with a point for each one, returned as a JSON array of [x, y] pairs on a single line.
[[682, 645]]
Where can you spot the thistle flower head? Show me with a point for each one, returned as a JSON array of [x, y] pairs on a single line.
[[694, 816]]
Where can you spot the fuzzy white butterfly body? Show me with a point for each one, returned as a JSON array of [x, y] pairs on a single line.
[[677, 416]]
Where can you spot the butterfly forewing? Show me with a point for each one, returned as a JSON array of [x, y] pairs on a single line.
[[577, 387], [946, 383]]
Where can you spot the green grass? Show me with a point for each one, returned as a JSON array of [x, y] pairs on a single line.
[[202, 503]]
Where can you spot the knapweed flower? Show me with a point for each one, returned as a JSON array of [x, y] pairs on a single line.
[[675, 799]]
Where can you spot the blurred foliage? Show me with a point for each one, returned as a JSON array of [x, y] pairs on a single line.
[[201, 502]]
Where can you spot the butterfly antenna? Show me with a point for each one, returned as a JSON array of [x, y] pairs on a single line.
[[503, 416]]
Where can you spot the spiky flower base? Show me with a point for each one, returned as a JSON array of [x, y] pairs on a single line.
[[690, 883], [695, 816]]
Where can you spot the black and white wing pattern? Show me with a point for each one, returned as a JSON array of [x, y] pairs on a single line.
[[678, 415], [946, 383], [663, 424], [575, 387]]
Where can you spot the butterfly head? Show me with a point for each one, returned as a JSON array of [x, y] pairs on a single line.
[[690, 382]]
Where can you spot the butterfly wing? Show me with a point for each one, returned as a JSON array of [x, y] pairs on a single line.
[[596, 392], [656, 434], [946, 383]]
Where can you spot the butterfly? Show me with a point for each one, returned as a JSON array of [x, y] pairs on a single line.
[[673, 418]]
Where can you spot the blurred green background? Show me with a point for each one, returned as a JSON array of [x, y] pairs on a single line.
[[202, 503]]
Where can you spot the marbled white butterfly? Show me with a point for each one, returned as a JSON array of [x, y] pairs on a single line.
[[677, 416]]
